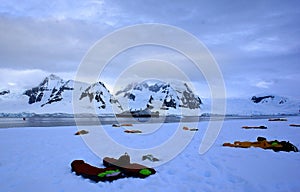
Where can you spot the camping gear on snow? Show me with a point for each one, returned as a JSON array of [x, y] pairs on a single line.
[[189, 129], [255, 127], [95, 173], [122, 125], [127, 125], [264, 144], [261, 139], [81, 132], [150, 157], [277, 119], [133, 131], [127, 168], [115, 169], [295, 125]]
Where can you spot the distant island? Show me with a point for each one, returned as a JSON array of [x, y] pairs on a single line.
[[139, 113]]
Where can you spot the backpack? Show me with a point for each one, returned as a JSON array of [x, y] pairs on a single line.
[[287, 146], [124, 159]]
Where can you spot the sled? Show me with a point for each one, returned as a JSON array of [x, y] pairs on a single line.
[[277, 119], [122, 125], [254, 127], [295, 125], [115, 169], [264, 144], [94, 173], [127, 125], [81, 132], [127, 168], [190, 129], [133, 131]]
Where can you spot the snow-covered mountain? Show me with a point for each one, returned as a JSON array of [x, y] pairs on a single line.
[[55, 95], [274, 104], [260, 104], [167, 98], [99, 97], [52, 89], [269, 99]]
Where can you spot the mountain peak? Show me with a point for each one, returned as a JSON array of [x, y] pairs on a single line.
[[54, 77], [48, 91], [158, 95], [4, 92], [269, 98]]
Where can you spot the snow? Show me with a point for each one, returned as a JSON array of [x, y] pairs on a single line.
[[38, 159], [246, 107]]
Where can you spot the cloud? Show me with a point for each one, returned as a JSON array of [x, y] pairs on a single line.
[[16, 79], [256, 40], [24, 79], [52, 36], [264, 84], [44, 44]]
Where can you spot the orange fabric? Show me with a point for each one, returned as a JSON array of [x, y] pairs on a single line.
[[246, 144], [126, 124]]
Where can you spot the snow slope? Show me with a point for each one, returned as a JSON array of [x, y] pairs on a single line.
[[272, 105], [38, 159]]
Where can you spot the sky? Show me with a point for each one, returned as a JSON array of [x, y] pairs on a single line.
[[256, 44]]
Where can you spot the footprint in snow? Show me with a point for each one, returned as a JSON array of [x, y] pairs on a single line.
[[234, 179], [207, 174]]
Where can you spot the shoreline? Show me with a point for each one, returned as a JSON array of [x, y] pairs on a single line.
[[14, 122]]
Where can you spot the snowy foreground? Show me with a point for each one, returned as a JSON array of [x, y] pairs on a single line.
[[38, 159]]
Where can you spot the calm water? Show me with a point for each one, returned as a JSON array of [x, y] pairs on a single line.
[[60, 121], [57, 121]]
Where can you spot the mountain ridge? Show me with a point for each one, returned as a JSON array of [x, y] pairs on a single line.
[[53, 95]]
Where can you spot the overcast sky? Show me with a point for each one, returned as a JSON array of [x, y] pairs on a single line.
[[255, 43]]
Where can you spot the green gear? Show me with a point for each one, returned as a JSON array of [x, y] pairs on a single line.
[[103, 174], [145, 172]]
